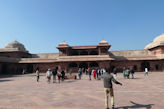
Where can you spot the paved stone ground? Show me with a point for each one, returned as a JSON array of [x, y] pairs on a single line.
[[23, 92]]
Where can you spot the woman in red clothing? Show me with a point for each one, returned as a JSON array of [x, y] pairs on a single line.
[[59, 75], [94, 73]]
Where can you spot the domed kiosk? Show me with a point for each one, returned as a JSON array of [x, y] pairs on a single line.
[[158, 41], [103, 47], [157, 46], [103, 42], [15, 49], [16, 45], [63, 44], [63, 48]]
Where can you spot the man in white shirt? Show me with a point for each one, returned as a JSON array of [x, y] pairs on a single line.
[[146, 71], [48, 75]]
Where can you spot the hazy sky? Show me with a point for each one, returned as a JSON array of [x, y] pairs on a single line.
[[42, 24]]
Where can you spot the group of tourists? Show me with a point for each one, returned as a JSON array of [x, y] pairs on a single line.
[[91, 71], [52, 74], [108, 78], [127, 72]]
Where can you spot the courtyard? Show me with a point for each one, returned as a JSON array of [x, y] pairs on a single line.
[[23, 92]]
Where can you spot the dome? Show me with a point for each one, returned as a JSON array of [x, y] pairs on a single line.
[[63, 44], [159, 38], [148, 46], [158, 41], [103, 42], [16, 45]]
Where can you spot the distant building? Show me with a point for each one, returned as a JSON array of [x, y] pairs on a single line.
[[14, 57]]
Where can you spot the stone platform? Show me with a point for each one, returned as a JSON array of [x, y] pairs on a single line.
[[23, 92]]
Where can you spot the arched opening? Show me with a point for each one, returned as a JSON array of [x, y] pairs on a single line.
[[74, 53], [29, 68], [144, 65], [157, 67], [84, 53], [135, 67], [83, 65], [93, 64], [73, 64], [93, 52], [4, 69]]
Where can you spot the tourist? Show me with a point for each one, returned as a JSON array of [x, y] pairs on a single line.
[[48, 75], [23, 72], [115, 73], [97, 73], [127, 73], [62, 75], [59, 75], [108, 88], [54, 74], [101, 71], [146, 71], [70, 71], [79, 73], [83, 70], [132, 73], [86, 71], [90, 73], [124, 71], [37, 74], [94, 73]]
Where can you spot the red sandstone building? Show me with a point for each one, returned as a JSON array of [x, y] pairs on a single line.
[[14, 57]]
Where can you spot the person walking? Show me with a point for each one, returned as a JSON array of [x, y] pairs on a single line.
[[79, 73], [108, 88], [37, 74], [59, 75], [62, 75], [90, 73], [97, 74], [146, 71], [23, 72], [132, 73], [115, 73], [86, 71], [48, 75], [127, 73], [54, 73], [94, 73], [124, 71]]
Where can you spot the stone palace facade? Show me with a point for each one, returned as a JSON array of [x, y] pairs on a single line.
[[14, 57]]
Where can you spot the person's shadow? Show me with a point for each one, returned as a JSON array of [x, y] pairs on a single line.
[[136, 106]]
